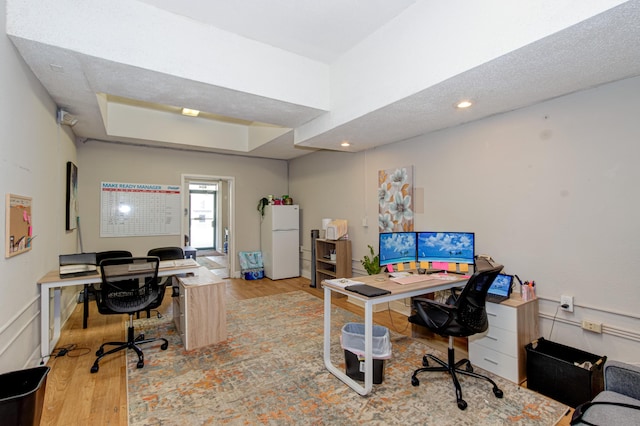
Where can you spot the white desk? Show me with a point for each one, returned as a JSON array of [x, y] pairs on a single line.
[[398, 291], [52, 281]]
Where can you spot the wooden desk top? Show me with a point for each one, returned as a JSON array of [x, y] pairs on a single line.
[[203, 277], [382, 281], [53, 277]]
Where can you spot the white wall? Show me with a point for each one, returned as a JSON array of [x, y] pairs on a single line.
[[100, 161], [549, 190], [33, 155]]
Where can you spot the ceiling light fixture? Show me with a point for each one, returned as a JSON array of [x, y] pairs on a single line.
[[463, 104], [345, 144], [64, 118], [190, 112]]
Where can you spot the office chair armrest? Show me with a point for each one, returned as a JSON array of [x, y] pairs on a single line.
[[442, 307]]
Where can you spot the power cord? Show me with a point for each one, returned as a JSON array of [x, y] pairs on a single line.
[[70, 350], [554, 318]]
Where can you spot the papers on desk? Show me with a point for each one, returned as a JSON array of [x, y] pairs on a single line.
[[178, 263], [343, 282], [140, 267]]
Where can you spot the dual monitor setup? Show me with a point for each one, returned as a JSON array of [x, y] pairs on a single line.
[[431, 247], [440, 250]]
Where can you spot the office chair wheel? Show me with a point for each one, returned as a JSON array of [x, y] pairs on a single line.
[[469, 368], [415, 381], [95, 368], [140, 364], [164, 346], [99, 352], [425, 361], [498, 392], [462, 404]]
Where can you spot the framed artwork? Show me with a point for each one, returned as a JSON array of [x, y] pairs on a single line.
[[395, 199], [19, 229], [72, 196]]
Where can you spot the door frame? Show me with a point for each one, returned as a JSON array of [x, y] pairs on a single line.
[[184, 226]]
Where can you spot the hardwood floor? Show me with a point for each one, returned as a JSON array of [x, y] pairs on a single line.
[[74, 396]]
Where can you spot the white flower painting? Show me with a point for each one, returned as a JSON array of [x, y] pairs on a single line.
[[395, 198]]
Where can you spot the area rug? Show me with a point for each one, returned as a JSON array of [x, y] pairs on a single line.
[[208, 263], [270, 371]]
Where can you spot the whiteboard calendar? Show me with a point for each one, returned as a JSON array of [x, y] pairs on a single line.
[[139, 209]]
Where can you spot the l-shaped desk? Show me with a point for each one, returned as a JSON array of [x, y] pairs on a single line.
[[431, 284], [52, 281]]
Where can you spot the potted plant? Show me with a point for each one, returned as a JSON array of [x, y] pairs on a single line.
[[371, 264], [263, 202]]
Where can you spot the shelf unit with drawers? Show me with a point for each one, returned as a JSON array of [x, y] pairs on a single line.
[[501, 349], [199, 309]]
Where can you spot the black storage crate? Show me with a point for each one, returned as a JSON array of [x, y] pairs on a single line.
[[555, 370]]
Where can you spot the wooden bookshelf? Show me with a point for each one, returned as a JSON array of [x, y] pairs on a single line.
[[326, 268]]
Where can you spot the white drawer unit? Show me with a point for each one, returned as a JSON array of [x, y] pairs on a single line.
[[500, 350], [199, 310]]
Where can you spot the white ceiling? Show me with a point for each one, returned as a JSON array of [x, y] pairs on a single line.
[[309, 74]]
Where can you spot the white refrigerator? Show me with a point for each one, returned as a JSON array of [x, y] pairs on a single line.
[[280, 241]]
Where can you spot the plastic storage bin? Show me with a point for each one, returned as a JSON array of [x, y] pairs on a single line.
[[559, 372], [22, 396], [352, 340]]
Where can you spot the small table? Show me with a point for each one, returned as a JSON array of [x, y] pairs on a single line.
[[431, 284], [53, 281]]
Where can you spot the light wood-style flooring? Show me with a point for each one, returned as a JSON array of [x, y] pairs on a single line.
[[74, 396]]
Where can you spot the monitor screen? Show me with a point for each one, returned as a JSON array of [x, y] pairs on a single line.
[[453, 247], [397, 247], [501, 285]]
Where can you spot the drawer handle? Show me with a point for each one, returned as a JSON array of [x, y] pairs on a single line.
[[491, 361], [491, 315], [491, 338]]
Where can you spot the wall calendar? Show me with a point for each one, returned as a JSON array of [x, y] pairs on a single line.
[[139, 209]]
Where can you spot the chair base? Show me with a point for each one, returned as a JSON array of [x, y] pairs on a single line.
[[453, 368], [131, 343]]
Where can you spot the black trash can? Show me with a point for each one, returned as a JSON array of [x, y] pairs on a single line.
[[353, 344], [22, 396]]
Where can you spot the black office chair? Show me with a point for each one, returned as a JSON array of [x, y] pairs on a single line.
[[93, 288], [167, 253], [164, 253], [462, 316], [129, 285]]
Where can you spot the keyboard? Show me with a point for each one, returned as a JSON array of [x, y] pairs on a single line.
[[416, 278]]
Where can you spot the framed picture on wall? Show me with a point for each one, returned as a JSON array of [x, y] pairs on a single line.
[[72, 196], [19, 229]]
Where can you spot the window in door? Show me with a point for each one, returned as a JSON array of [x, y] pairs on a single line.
[[202, 215]]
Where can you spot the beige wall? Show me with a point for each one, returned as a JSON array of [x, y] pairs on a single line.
[[549, 190], [99, 162], [33, 155]]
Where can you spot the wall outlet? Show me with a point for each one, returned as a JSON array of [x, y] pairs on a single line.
[[596, 327], [566, 303]]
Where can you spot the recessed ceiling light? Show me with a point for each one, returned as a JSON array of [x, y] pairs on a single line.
[[345, 143], [190, 112], [464, 104]]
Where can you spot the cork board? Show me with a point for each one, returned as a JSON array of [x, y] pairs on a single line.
[[19, 229]]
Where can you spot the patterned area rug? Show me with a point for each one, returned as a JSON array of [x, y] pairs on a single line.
[[270, 371]]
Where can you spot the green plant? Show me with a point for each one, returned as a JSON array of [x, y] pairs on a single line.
[[371, 264], [263, 202]]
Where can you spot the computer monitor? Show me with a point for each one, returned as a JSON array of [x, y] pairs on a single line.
[[397, 247], [452, 247]]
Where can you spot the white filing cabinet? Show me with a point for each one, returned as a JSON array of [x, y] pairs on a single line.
[[199, 311], [500, 350]]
